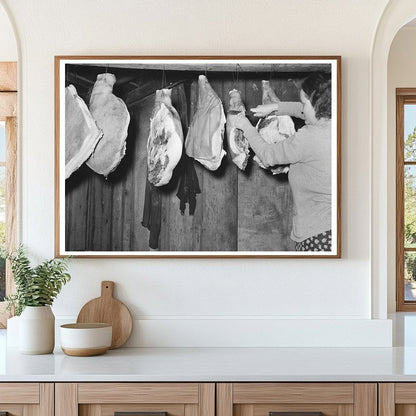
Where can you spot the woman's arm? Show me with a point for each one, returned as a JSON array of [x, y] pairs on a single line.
[[282, 108], [282, 153]]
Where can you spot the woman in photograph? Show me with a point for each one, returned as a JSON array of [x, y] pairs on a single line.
[[308, 152]]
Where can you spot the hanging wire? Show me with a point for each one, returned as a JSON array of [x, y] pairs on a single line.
[[233, 76], [238, 71], [271, 72], [163, 77]]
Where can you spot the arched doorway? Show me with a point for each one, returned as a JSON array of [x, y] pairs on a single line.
[[396, 15]]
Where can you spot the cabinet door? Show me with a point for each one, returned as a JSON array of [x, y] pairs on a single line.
[[26, 399], [297, 399], [142, 399], [397, 399]]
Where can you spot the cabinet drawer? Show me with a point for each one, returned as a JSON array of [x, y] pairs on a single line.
[[297, 399], [147, 399]]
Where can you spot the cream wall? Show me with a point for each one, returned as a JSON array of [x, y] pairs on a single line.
[[212, 302], [401, 74], [8, 47]]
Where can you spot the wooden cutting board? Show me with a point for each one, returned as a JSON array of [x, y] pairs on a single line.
[[107, 309]]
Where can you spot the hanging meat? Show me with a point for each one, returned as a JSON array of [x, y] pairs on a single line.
[[274, 128], [81, 132], [113, 118], [165, 142], [237, 143], [206, 133]]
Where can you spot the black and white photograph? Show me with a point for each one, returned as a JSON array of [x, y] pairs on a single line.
[[198, 156]]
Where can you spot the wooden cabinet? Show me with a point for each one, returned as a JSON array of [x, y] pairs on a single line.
[[27, 399], [397, 399], [208, 399], [332, 399], [105, 399]]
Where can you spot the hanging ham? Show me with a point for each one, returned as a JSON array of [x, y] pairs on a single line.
[[205, 136], [273, 128], [81, 132], [237, 143], [165, 142], [113, 118]]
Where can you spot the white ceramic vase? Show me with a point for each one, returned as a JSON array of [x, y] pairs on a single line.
[[37, 330]]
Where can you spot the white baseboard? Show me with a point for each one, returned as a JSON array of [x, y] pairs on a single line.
[[189, 332]]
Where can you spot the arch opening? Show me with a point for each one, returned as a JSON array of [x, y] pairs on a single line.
[[383, 250]]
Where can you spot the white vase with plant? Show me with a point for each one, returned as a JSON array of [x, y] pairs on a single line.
[[36, 289]]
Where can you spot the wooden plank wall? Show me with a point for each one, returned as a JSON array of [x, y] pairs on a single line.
[[236, 210]]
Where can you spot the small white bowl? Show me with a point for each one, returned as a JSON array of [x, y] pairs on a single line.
[[83, 340]]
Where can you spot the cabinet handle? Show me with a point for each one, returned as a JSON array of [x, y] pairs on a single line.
[[295, 413], [138, 414]]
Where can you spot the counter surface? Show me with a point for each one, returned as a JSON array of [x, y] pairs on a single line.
[[215, 364]]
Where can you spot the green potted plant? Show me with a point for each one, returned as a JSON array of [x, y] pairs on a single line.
[[36, 289]]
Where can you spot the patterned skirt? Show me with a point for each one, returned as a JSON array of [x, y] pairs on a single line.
[[320, 242]]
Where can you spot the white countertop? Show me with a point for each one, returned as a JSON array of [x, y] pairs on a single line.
[[222, 364], [215, 364]]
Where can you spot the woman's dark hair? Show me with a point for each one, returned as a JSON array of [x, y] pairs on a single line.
[[317, 88]]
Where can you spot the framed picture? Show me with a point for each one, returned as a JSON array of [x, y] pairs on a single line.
[[198, 156]]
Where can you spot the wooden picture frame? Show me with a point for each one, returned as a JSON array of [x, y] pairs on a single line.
[[237, 213]]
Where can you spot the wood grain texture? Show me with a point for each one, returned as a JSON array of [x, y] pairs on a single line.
[[110, 409], [138, 393], [57, 187], [224, 399], [19, 393], [244, 410], [251, 393], [31, 410], [107, 309], [13, 409], [47, 399], [386, 399], [405, 393], [326, 409], [66, 399], [191, 410], [400, 305], [403, 96], [8, 76], [405, 410], [8, 105], [265, 205], [365, 399], [207, 399], [91, 410], [346, 410]]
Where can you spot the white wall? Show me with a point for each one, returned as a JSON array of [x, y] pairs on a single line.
[[202, 299], [8, 47], [401, 74]]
